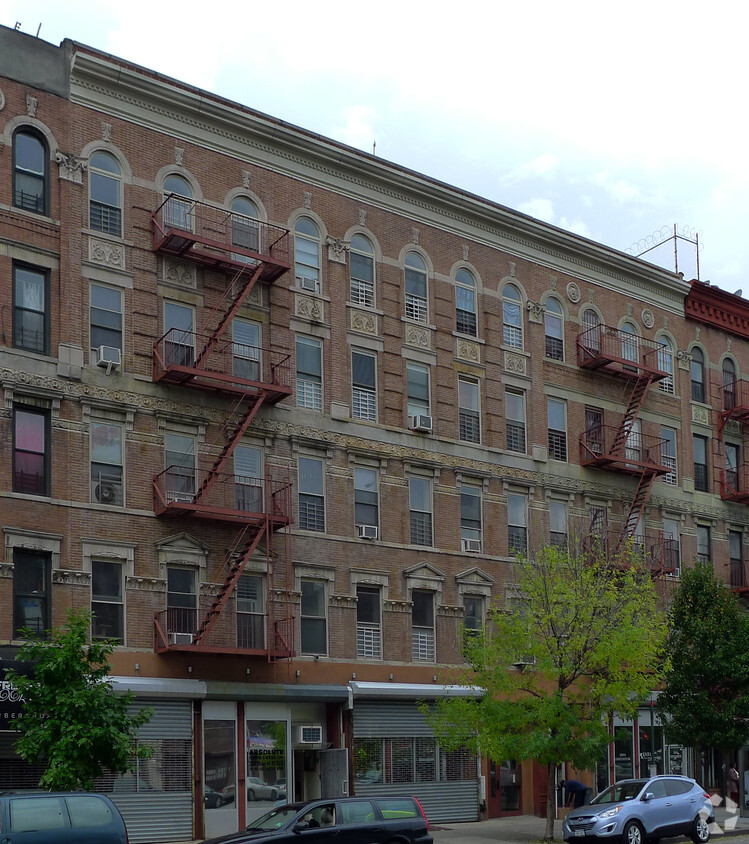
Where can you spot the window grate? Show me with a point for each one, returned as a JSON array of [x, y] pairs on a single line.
[[669, 462], [423, 644], [311, 513], [105, 218], [362, 293], [469, 427], [416, 308], [309, 394], [368, 641], [364, 405], [557, 445], [465, 322], [421, 528], [513, 337], [516, 436], [554, 348], [517, 539]]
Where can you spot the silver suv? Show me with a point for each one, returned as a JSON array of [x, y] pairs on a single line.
[[636, 811]]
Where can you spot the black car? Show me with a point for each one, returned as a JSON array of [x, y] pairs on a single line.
[[346, 820]]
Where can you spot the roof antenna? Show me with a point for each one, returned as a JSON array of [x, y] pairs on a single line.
[[39, 29], [374, 147]]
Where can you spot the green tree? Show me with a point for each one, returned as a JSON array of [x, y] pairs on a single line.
[[72, 720], [581, 639], [705, 697]]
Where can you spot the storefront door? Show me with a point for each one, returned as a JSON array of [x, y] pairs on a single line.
[[503, 792]]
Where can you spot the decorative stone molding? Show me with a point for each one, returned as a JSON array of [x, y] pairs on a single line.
[[6, 570], [106, 132], [516, 364], [414, 234], [684, 359], [71, 578], [33, 540], [397, 606], [418, 336], [106, 253], [648, 320], [71, 166], [466, 251], [700, 414], [246, 179], [337, 249], [307, 200], [365, 322], [308, 308], [362, 216], [535, 311], [348, 601], [513, 269], [2, 101], [573, 292], [339, 410], [178, 273], [145, 584], [32, 103], [179, 156], [468, 351]]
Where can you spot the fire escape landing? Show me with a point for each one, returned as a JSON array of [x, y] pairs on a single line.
[[248, 252]]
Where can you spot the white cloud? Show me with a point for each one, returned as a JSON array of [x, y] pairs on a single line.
[[575, 226], [357, 130], [542, 165], [541, 209]]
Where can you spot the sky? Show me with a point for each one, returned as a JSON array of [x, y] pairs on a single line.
[[613, 121]]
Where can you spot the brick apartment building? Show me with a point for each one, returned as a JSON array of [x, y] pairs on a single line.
[[281, 413]]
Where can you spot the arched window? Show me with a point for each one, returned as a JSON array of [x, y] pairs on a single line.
[[244, 228], [307, 255], [178, 212], [697, 369], [729, 384], [417, 307], [666, 364], [105, 194], [512, 317], [591, 334], [465, 302], [362, 272], [630, 343], [554, 330], [30, 171]]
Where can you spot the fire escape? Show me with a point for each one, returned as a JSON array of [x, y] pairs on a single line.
[[247, 252], [623, 448]]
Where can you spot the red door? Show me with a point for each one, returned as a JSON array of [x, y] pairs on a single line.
[[503, 792]]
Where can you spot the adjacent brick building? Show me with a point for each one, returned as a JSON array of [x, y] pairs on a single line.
[[281, 413]]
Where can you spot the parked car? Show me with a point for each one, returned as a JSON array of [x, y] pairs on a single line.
[[259, 790], [76, 817], [346, 820], [644, 810], [214, 799]]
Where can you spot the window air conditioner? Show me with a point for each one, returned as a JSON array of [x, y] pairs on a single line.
[[473, 546], [307, 283], [366, 531], [108, 492], [308, 734], [420, 422], [180, 638], [108, 356]]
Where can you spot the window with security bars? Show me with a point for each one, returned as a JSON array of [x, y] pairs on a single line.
[[738, 575], [417, 386], [668, 455], [30, 309], [512, 317], [250, 612], [105, 193], [697, 374], [311, 494], [364, 395], [309, 373], [16, 773], [558, 524], [169, 768], [465, 303], [517, 529], [666, 364], [515, 420], [704, 545], [700, 463], [422, 622], [410, 759], [470, 517], [30, 171], [557, 429], [368, 760], [361, 259], [368, 623], [469, 418], [554, 330], [416, 288], [420, 503]]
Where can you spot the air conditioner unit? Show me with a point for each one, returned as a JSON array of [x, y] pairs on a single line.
[[473, 546], [180, 638], [420, 422], [108, 356], [307, 283], [108, 492], [308, 734], [366, 531]]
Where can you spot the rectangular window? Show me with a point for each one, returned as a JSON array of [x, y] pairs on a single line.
[[422, 623], [736, 556], [598, 521], [309, 373], [105, 316], [314, 618], [249, 482], [106, 464], [701, 481], [558, 523], [668, 455], [731, 475], [671, 547], [179, 334], [517, 526], [417, 379], [30, 451], [594, 438], [366, 498], [181, 602], [368, 623], [311, 494], [180, 468], [557, 414], [473, 612], [420, 498], [362, 279], [704, 545], [107, 601], [31, 581], [30, 309], [471, 532], [246, 348], [469, 414], [250, 612], [515, 416], [363, 377]]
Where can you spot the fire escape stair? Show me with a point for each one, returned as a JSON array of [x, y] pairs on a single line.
[[636, 399]]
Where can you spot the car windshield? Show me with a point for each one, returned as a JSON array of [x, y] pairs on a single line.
[[274, 819], [620, 792]]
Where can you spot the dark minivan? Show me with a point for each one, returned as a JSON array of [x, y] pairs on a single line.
[[70, 817], [346, 820]]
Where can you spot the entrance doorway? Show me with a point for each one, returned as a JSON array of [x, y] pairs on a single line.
[[505, 781]]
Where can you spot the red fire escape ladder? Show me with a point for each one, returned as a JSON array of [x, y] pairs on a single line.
[[237, 300], [245, 545], [637, 397], [255, 402], [637, 507]]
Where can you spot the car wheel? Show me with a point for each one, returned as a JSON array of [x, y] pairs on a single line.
[[274, 794], [219, 802], [700, 830], [633, 833], [250, 794]]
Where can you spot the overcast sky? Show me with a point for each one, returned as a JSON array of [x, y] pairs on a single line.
[[610, 120]]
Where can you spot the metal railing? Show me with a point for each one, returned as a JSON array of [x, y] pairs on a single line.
[[602, 343], [604, 445]]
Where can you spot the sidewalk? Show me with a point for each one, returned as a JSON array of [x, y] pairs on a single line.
[[524, 828]]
